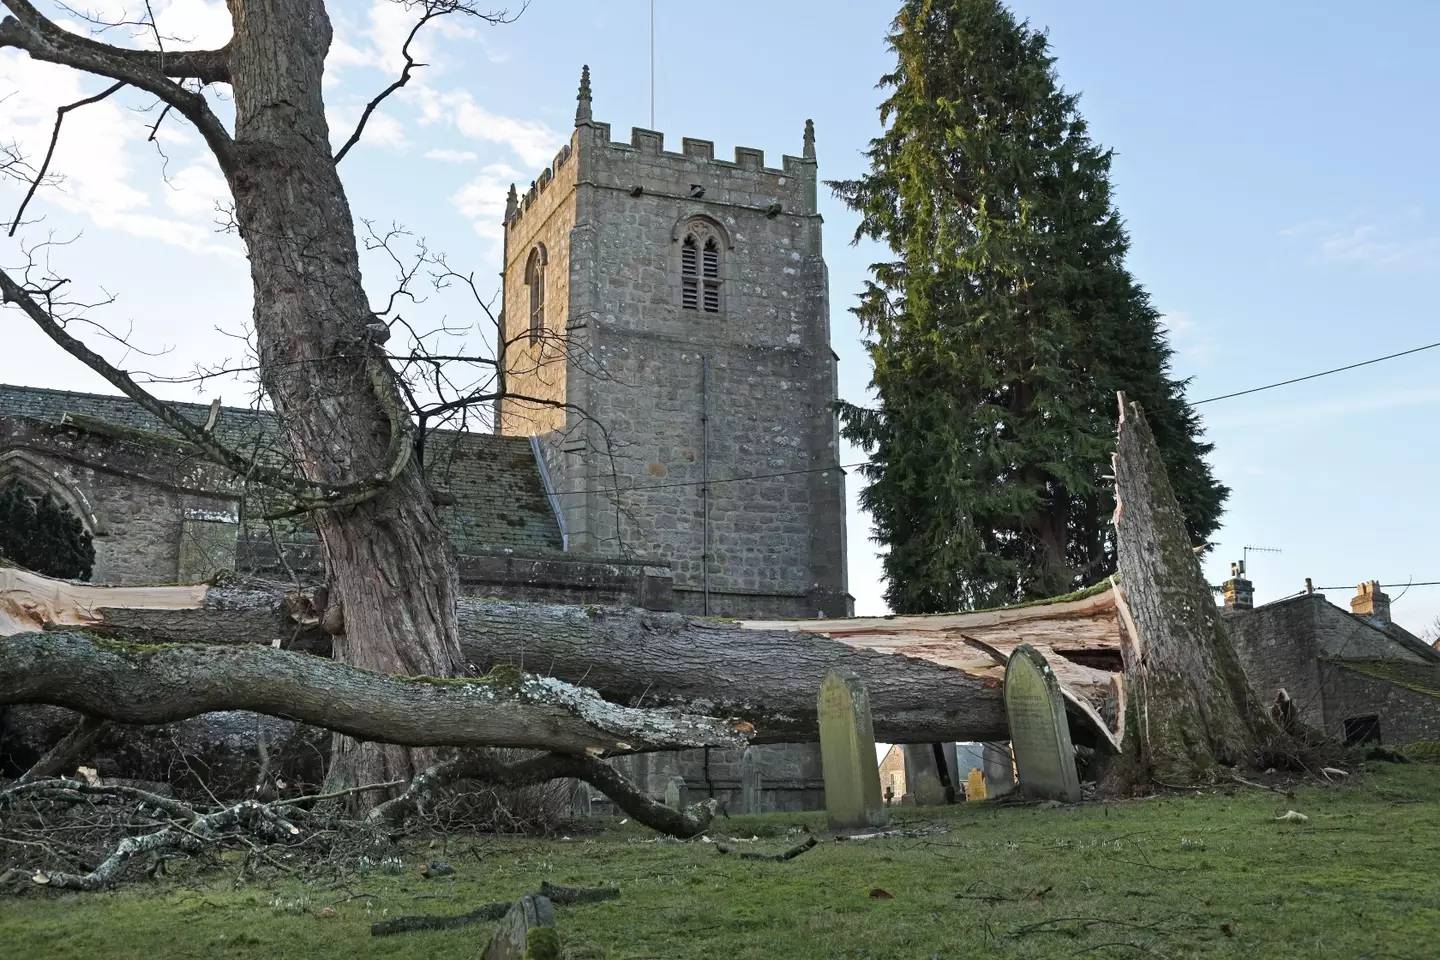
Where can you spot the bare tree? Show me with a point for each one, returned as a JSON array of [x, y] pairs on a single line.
[[319, 345]]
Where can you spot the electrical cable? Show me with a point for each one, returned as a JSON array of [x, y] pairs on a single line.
[[1322, 373]]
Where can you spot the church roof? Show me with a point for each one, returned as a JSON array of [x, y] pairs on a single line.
[[501, 502]]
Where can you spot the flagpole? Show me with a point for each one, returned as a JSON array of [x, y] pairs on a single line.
[[652, 64]]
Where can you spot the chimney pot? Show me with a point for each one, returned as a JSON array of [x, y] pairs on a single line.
[[1370, 601], [1239, 592]]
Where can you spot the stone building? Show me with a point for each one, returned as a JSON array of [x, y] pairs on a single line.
[[159, 513], [1356, 675], [666, 333]]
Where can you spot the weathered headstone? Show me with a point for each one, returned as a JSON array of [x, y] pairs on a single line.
[[527, 932], [952, 763], [675, 793], [580, 799], [1039, 732], [999, 767], [922, 775], [847, 753], [749, 782], [975, 785]]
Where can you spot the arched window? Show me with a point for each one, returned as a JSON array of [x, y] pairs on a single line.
[[41, 535], [700, 277], [535, 280]]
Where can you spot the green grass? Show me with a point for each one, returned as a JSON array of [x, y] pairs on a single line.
[[1201, 876]]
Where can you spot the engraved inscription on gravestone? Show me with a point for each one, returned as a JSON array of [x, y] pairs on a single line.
[[1039, 732], [847, 752]]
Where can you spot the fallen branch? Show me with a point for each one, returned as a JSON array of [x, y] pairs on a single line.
[[248, 816], [490, 912], [791, 854], [74, 743], [657, 816], [161, 684]]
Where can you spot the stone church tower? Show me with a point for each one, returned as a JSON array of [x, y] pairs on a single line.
[[666, 335]]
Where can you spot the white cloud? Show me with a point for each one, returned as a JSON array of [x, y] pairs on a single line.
[[384, 130], [452, 156], [196, 191], [534, 142], [108, 173], [482, 200], [1369, 245], [1382, 247]]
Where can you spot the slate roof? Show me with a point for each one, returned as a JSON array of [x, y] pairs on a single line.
[[500, 498]]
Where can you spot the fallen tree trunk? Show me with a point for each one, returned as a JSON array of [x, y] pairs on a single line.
[[1191, 705], [930, 679], [158, 684]]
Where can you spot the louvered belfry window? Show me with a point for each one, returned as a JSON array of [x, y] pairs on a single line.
[[700, 269], [535, 279]]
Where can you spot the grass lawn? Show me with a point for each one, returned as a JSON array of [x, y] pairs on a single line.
[[1197, 876]]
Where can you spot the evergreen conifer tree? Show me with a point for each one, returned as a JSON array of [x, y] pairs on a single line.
[[40, 535], [1003, 327]]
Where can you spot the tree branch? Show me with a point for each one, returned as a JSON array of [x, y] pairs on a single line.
[[312, 496], [160, 684], [50, 153], [554, 766], [32, 32]]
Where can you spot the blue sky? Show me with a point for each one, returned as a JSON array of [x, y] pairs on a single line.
[[1274, 164]]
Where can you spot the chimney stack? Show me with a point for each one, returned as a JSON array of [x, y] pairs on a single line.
[[1239, 592], [1369, 601]]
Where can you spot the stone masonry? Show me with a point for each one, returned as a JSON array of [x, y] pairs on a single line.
[[690, 424], [702, 437]]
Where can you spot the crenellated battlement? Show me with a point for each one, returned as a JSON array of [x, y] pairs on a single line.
[[643, 167]]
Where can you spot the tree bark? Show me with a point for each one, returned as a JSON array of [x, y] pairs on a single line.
[[1191, 706], [159, 684], [932, 678], [388, 558]]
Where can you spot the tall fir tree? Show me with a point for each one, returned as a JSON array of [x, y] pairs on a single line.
[[1004, 326]]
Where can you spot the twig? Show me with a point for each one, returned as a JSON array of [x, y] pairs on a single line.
[[317, 797], [54, 139], [790, 854]]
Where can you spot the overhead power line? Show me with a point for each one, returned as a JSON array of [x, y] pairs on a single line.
[[1390, 586], [863, 463], [1322, 373]]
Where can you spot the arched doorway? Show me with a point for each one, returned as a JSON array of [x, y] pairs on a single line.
[[41, 534]]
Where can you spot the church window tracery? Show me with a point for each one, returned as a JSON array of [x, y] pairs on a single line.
[[535, 280], [700, 274]]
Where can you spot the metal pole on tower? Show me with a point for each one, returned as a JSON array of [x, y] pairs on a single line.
[[652, 64]]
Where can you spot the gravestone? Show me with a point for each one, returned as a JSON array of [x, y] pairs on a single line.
[[749, 782], [952, 763], [969, 755], [527, 932], [580, 799], [847, 753], [675, 793], [999, 767], [1039, 732], [922, 775], [975, 785]]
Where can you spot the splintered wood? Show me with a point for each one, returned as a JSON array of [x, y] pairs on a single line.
[[29, 601], [1080, 638]]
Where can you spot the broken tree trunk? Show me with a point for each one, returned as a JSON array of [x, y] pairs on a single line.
[[158, 684], [931, 679], [1191, 705]]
